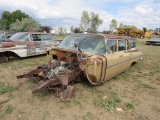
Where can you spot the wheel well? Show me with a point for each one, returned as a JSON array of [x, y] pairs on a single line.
[[133, 63], [9, 53]]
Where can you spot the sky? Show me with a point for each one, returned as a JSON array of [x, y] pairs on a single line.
[[67, 13]]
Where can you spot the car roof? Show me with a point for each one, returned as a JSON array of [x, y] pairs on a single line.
[[34, 32], [118, 37], [108, 36]]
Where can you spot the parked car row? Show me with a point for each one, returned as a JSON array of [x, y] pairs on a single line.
[[24, 44]]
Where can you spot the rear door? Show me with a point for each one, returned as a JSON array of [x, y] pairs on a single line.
[[47, 41], [34, 45]]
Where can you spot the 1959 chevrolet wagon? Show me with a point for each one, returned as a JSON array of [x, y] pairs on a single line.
[[95, 57]]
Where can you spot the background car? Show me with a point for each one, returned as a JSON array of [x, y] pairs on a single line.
[[154, 40], [25, 44]]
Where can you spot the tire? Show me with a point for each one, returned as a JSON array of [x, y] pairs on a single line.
[[4, 59]]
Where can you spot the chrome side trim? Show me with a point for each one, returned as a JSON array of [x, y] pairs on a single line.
[[121, 62]]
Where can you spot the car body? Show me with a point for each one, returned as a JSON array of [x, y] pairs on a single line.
[[4, 35], [101, 57], [94, 57], [24, 44], [154, 40]]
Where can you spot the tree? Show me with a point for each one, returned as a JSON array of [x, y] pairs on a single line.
[[90, 23], [25, 25], [113, 26], [8, 18], [61, 31], [85, 21], [72, 29], [5, 21], [19, 15], [121, 25], [95, 22], [77, 30], [46, 29]]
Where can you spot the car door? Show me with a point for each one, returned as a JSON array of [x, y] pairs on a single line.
[[116, 58], [34, 45], [47, 41]]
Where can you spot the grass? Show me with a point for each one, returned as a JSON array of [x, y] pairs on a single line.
[[6, 88], [9, 109], [108, 102], [130, 106], [147, 86], [31, 86], [87, 116]]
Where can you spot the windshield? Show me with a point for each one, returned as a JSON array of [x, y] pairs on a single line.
[[20, 37], [2, 36], [1, 33], [88, 43]]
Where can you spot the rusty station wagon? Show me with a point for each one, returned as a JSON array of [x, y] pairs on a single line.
[[94, 57], [24, 44]]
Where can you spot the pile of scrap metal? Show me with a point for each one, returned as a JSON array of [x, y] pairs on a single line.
[[57, 76]]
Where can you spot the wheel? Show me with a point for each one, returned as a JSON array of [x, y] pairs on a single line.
[[4, 59]]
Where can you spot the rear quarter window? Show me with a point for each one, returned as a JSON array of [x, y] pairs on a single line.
[[121, 45], [132, 43]]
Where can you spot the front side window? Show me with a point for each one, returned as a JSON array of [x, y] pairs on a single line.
[[36, 37], [111, 46], [121, 45]]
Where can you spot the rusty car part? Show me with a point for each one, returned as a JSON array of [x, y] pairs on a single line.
[[55, 76], [97, 58]]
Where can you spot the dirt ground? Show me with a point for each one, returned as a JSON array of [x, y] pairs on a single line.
[[132, 95]]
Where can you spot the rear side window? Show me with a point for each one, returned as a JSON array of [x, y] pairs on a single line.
[[111, 46], [46, 37], [121, 45], [132, 43]]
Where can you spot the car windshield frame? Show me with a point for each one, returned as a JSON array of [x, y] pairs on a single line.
[[88, 43], [20, 37]]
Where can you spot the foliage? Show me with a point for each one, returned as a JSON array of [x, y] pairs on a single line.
[[46, 29], [6, 88], [85, 21], [90, 23], [25, 25], [62, 31], [9, 18], [72, 29], [77, 30], [95, 22], [130, 106], [113, 26], [121, 25], [9, 109]]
